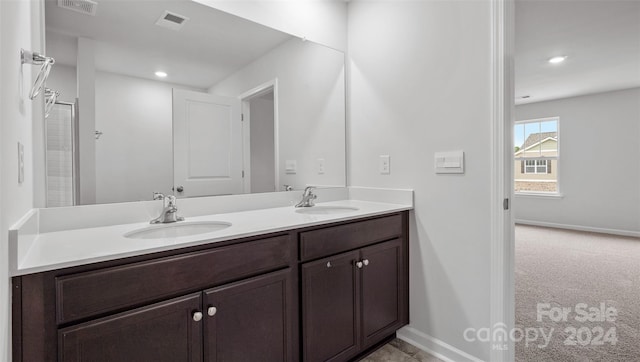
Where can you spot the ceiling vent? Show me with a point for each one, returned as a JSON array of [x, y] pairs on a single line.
[[86, 7], [171, 20]]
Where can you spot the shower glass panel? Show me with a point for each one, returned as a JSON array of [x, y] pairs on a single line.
[[60, 134]]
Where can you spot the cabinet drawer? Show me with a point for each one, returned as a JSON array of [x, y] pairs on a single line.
[[335, 239], [95, 292]]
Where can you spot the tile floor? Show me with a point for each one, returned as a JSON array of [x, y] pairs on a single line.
[[399, 351]]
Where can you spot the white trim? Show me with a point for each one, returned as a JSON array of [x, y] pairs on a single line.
[[545, 119], [246, 146], [542, 195], [434, 346], [244, 97], [502, 289], [532, 180], [580, 228]]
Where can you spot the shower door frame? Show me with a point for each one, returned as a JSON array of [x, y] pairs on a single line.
[[74, 155]]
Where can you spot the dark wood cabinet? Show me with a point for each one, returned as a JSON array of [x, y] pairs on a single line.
[[331, 308], [382, 291], [353, 300], [250, 320], [322, 293], [164, 331]]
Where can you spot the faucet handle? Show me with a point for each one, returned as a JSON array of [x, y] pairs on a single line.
[[158, 196], [170, 200]]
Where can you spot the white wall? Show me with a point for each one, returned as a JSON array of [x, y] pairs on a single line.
[[598, 168], [4, 277], [420, 83], [263, 169], [19, 28], [134, 156], [63, 79], [311, 107], [322, 21]]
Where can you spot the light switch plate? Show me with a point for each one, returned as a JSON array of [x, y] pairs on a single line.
[[449, 162], [290, 166], [384, 165], [320, 166], [20, 163]]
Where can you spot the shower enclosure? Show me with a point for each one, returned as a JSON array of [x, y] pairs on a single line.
[[61, 155]]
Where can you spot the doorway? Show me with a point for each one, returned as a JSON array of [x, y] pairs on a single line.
[[576, 246], [259, 129]]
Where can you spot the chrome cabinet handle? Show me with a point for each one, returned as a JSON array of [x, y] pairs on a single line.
[[211, 311], [365, 262], [197, 316], [359, 264]]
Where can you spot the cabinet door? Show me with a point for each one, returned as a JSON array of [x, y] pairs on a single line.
[[381, 290], [164, 331], [330, 308], [250, 320]]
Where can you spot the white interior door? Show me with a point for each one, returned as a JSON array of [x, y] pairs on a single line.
[[207, 144]]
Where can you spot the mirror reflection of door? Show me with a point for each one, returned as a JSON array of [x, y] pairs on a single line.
[[207, 144]]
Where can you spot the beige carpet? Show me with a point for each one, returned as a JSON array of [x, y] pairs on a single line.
[[564, 268]]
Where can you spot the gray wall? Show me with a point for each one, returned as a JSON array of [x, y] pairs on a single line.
[[599, 166], [419, 83]]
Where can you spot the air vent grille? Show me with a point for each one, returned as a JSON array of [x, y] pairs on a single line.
[[86, 7], [174, 18], [171, 20]]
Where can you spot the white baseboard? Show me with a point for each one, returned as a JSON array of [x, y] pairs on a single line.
[[580, 228], [434, 346]]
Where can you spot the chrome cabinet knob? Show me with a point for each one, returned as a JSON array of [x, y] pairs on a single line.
[[359, 265], [180, 188], [329, 264], [365, 262], [197, 316], [211, 311]]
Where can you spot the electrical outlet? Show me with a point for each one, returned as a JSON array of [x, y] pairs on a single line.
[[290, 167], [384, 165], [20, 163], [320, 166]]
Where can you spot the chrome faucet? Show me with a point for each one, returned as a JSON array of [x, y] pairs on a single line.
[[170, 212], [307, 197]]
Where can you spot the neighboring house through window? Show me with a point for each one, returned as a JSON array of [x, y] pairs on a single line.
[[536, 156], [535, 166]]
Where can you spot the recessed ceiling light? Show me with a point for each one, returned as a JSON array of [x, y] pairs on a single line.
[[557, 60], [160, 74]]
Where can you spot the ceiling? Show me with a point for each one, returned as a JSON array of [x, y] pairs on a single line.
[[210, 46], [601, 40]]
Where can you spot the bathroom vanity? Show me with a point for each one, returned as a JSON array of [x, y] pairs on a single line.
[[329, 291]]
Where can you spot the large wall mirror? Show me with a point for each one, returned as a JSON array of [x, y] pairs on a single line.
[[178, 97]]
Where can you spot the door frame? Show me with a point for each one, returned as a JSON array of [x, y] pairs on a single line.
[[271, 85], [502, 287]]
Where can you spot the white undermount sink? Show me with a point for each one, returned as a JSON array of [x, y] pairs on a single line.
[[175, 230], [326, 210]]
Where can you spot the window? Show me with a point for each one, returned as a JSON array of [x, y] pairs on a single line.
[[535, 166], [536, 156]]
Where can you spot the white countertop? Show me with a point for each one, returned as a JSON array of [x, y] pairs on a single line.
[[61, 249]]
